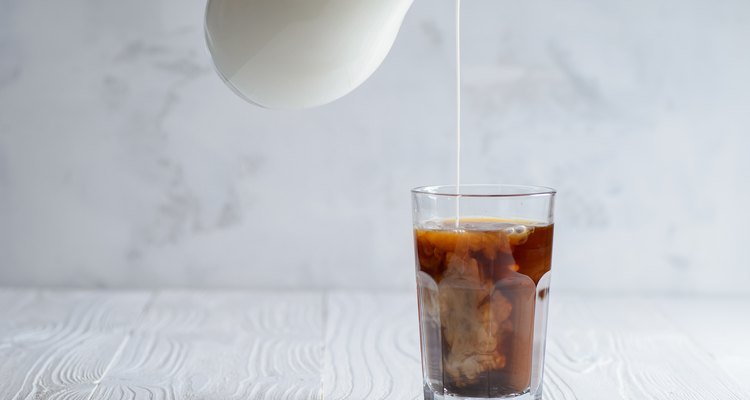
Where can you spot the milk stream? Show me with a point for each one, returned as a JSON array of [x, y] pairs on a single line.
[[458, 112]]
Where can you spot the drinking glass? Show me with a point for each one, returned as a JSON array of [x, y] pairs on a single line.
[[483, 258]]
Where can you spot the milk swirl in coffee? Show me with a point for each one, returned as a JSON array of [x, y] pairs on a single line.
[[479, 284]]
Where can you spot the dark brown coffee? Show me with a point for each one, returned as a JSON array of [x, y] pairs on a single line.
[[479, 287]]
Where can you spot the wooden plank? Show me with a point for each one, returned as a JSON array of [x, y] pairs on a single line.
[[216, 345], [721, 326], [372, 347], [57, 344], [623, 348]]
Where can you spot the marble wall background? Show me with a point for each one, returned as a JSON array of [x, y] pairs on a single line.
[[125, 162]]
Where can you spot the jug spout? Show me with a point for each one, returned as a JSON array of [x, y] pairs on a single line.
[[300, 53]]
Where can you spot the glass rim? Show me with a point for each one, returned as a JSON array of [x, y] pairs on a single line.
[[488, 190]]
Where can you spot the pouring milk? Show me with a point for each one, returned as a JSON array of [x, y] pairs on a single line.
[[303, 53]]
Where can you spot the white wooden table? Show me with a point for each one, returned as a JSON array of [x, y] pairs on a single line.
[[346, 345]]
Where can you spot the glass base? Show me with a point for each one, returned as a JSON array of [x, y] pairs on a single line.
[[429, 394]]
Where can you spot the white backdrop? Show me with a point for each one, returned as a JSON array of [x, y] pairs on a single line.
[[125, 162]]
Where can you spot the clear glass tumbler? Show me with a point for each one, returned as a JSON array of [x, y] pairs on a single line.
[[483, 256]]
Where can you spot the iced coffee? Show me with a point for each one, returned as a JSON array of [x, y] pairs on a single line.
[[482, 289]]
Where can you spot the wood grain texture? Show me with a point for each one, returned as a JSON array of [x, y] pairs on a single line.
[[187, 345], [720, 326], [250, 346], [624, 348], [372, 347], [57, 344]]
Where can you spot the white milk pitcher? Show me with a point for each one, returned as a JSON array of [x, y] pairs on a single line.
[[300, 53]]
